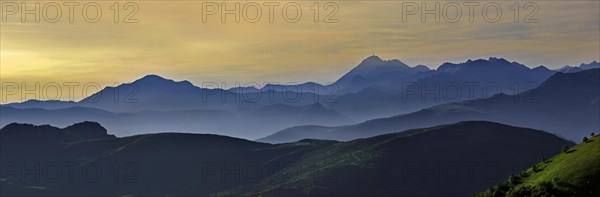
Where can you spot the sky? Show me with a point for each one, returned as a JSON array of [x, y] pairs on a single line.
[[187, 40]]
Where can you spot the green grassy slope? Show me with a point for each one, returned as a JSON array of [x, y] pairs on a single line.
[[572, 173]]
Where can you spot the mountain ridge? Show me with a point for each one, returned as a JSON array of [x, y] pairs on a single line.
[[533, 108], [375, 59], [384, 94]]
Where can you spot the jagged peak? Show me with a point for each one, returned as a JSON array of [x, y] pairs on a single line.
[[591, 64], [372, 58], [496, 59], [376, 60], [448, 66]]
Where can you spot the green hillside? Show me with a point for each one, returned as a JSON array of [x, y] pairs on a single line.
[[574, 172]]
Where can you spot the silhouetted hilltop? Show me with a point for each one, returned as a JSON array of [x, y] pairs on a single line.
[[47, 133]]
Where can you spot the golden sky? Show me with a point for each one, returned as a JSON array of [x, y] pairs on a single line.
[[170, 39]]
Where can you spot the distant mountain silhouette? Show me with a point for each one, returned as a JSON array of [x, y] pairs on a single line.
[[154, 93], [479, 154], [494, 70], [43, 104], [309, 87], [150, 92], [374, 89], [240, 122], [412, 91], [373, 72], [565, 104], [569, 69], [581, 67], [591, 65], [60, 117]]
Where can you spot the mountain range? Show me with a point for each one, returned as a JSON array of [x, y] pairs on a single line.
[[581, 67], [382, 129], [567, 104], [82, 160], [375, 88], [388, 94]]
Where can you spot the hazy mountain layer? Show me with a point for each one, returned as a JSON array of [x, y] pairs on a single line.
[[375, 88], [565, 104]]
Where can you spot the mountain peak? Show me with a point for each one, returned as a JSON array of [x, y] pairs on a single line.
[[86, 125], [591, 65], [496, 59], [153, 77], [541, 68], [491, 62], [569, 69], [593, 62], [372, 67], [156, 80], [373, 59], [374, 62], [421, 68]]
